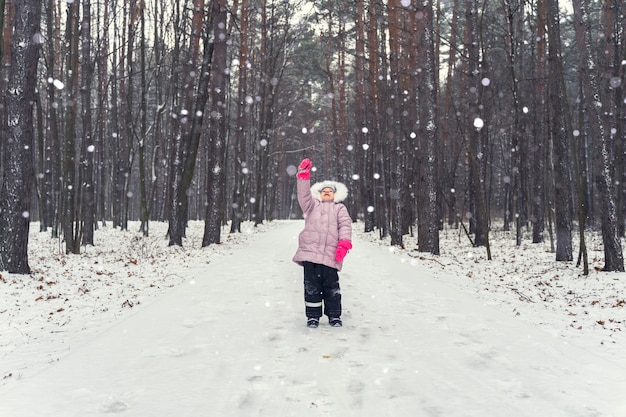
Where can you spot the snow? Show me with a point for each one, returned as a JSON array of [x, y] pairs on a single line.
[[138, 328]]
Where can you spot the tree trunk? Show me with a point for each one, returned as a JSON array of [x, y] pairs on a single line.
[[476, 149], [241, 169], [217, 128], [428, 212], [600, 128], [560, 131], [451, 146], [103, 169], [188, 138], [88, 147], [540, 132], [362, 132], [144, 211], [375, 207], [396, 134], [51, 157], [511, 16], [71, 187], [18, 139]]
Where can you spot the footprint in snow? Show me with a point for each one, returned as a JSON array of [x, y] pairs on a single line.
[[113, 405]]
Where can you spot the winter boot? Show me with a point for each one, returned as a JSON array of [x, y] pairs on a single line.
[[335, 322], [312, 322]]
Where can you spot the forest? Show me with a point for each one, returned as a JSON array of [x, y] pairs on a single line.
[[469, 114]]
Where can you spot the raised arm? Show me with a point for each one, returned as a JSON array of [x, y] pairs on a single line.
[[305, 199]]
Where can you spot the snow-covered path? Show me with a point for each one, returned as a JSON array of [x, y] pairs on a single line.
[[233, 342]]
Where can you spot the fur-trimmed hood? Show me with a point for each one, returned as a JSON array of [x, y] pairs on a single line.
[[341, 191]]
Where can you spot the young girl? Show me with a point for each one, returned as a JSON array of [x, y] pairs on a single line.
[[322, 245]]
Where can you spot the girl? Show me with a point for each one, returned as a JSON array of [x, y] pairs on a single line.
[[322, 245]]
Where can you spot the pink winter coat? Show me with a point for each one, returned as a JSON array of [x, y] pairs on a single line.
[[325, 224]]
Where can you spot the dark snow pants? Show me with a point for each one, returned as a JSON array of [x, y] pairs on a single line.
[[321, 284]]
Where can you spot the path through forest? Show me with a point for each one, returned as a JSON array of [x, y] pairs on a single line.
[[233, 342]]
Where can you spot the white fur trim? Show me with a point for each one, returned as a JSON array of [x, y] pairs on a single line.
[[341, 191]]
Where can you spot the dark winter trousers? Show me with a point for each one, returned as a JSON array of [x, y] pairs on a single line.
[[321, 283]]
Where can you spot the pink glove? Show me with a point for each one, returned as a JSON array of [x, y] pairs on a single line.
[[342, 250], [304, 169]]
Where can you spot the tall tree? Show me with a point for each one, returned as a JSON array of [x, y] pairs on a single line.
[[217, 127], [450, 149], [117, 149], [2, 11], [589, 71], [373, 177], [102, 43], [362, 125], [512, 15], [560, 130], [188, 137], [88, 148], [396, 135], [275, 43], [475, 124], [71, 186], [143, 124], [54, 178], [428, 214], [616, 31], [18, 137], [539, 129], [241, 168]]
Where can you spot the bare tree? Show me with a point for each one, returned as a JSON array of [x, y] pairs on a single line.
[[362, 125], [242, 165], [87, 148], [144, 212], [274, 46], [52, 138], [540, 132], [71, 186], [188, 137], [428, 212], [451, 146], [560, 130], [613, 255], [102, 43], [512, 10], [17, 158], [396, 135], [376, 172], [217, 127], [476, 147]]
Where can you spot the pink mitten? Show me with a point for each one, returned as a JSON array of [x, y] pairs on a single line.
[[342, 250], [305, 165], [304, 169]]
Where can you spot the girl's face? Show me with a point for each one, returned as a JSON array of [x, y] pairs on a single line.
[[327, 194]]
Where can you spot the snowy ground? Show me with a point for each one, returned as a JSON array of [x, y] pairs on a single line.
[[138, 328]]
